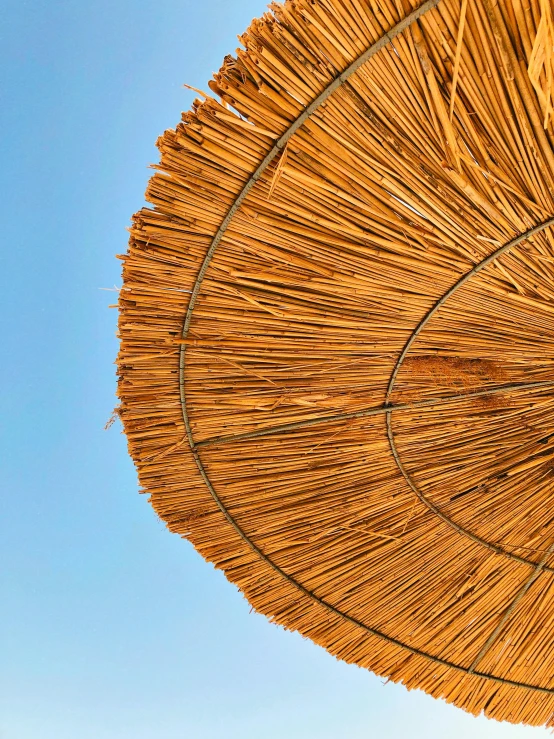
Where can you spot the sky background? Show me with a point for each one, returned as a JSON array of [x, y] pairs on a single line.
[[110, 627]]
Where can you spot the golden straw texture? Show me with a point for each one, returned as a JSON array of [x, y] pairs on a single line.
[[337, 326]]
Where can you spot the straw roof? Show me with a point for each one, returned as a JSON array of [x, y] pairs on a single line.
[[336, 333]]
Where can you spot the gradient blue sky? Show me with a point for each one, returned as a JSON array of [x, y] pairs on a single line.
[[111, 628]]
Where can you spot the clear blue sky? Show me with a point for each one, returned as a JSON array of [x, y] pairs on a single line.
[[112, 628]]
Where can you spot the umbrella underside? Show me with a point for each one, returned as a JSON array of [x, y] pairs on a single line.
[[336, 329]]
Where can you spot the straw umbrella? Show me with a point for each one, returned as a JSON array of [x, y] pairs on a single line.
[[337, 323]]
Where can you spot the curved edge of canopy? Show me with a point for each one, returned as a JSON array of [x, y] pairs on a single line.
[[166, 254]]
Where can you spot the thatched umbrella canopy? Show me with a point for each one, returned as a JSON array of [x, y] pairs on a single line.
[[337, 326]]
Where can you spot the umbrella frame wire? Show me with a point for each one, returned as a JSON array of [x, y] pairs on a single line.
[[440, 302], [387, 409]]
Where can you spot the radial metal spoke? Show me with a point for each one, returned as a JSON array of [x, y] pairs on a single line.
[[430, 403]]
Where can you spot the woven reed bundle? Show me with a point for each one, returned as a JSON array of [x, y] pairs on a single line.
[[336, 333]]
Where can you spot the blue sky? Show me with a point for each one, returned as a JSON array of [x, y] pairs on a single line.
[[111, 628]]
